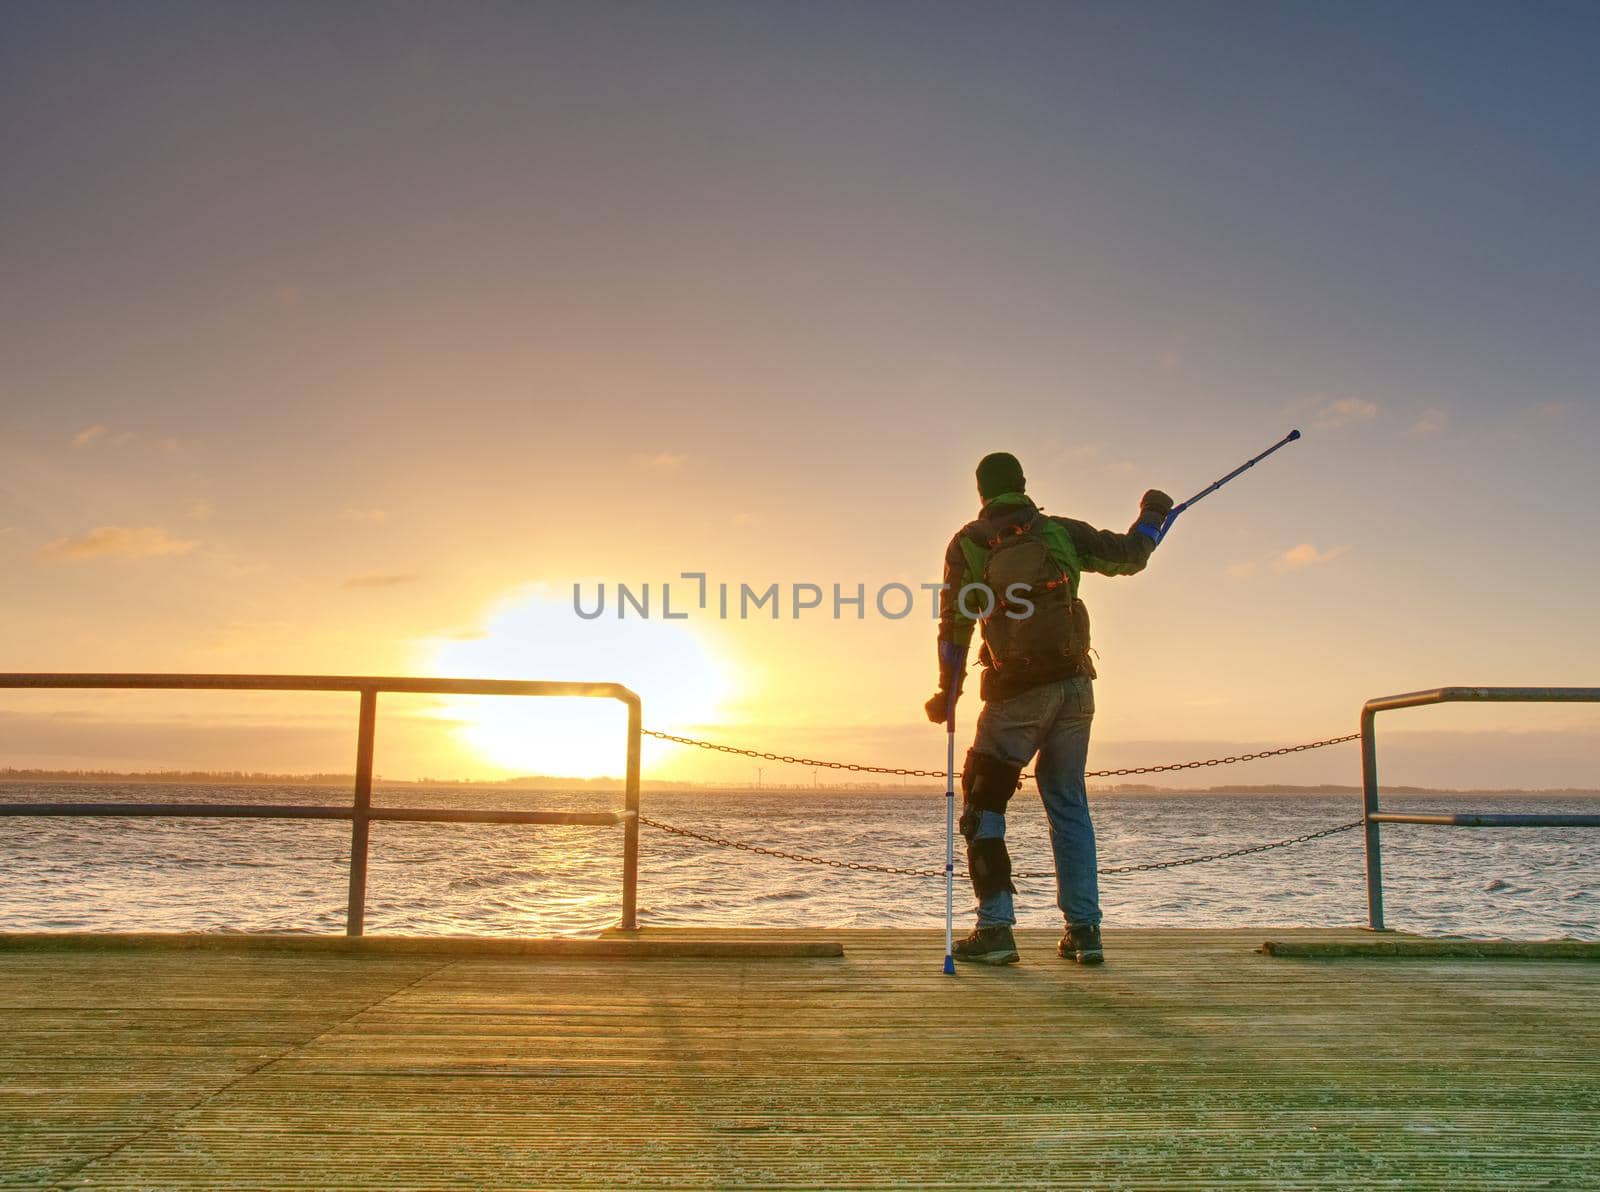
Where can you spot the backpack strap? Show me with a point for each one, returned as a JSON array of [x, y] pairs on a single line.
[[1008, 532]]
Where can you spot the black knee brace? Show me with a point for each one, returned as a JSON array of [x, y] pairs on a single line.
[[989, 866], [988, 782]]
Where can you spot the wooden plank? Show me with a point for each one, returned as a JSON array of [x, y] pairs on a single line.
[[618, 947], [1437, 948], [1190, 1060]]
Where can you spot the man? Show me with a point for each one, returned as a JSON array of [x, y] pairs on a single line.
[[1016, 572]]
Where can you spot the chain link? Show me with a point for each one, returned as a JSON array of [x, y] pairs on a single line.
[[1149, 866], [797, 761], [830, 862], [902, 772], [908, 871], [911, 871]]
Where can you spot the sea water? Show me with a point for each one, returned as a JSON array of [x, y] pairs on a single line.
[[290, 875]]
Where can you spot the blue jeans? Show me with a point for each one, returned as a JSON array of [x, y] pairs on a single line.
[[1051, 720]]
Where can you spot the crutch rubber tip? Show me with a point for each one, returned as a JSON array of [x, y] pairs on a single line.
[[1293, 435], [949, 966]]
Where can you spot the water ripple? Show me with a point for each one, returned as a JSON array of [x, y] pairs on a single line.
[[266, 875]]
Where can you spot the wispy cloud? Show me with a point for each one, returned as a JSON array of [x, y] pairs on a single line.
[[201, 509], [1432, 421], [101, 433], [364, 515], [1306, 555], [662, 461], [1094, 454], [117, 542], [1344, 411], [380, 581], [1293, 559]]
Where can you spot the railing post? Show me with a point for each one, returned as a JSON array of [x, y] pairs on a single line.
[[1369, 807], [630, 830], [356, 911]]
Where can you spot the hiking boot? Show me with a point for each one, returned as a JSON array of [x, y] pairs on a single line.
[[988, 945], [1081, 944]]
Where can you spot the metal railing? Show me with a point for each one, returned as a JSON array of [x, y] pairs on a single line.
[[1372, 817], [361, 812]]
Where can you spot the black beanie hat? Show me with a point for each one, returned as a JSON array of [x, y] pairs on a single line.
[[999, 473]]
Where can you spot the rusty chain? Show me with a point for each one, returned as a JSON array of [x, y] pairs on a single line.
[[743, 846], [1149, 866], [910, 871], [898, 771]]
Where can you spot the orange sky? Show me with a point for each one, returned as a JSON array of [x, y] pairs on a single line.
[[341, 346]]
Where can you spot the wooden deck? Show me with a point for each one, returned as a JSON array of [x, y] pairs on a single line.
[[1190, 1060]]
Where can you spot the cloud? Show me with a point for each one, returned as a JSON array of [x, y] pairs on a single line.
[[664, 461], [364, 515], [380, 581], [201, 509], [101, 433], [1306, 555], [1432, 421], [117, 542], [1345, 411], [1093, 453], [1293, 559]]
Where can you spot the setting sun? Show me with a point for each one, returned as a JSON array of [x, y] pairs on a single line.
[[534, 635]]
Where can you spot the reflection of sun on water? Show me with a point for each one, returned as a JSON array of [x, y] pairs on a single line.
[[540, 637]]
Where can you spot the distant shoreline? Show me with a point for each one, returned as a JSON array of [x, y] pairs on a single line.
[[543, 783]]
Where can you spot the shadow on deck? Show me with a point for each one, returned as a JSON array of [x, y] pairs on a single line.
[[1191, 1059]]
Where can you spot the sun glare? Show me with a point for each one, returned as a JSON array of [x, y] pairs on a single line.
[[537, 636]]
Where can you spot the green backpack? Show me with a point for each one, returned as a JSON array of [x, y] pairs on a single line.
[[1023, 646]]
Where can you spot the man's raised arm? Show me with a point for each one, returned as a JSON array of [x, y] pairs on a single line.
[[1107, 552]]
